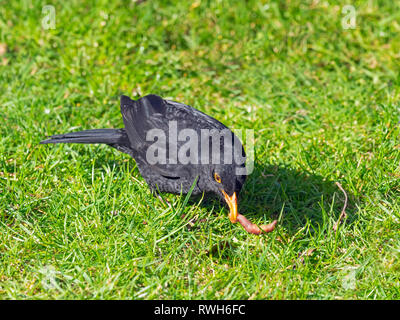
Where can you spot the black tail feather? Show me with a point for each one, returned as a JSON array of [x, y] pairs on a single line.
[[107, 136]]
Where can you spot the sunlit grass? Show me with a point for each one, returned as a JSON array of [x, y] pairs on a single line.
[[78, 221]]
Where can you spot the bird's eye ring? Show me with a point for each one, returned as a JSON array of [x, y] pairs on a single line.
[[217, 177]]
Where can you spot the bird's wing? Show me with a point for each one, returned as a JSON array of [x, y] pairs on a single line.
[[186, 115], [140, 117], [153, 112]]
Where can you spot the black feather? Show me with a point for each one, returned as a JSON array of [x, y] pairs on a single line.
[[107, 136], [151, 112]]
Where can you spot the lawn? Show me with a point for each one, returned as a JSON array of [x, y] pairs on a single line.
[[78, 221]]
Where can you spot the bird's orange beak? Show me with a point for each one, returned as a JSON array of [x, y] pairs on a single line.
[[232, 203]]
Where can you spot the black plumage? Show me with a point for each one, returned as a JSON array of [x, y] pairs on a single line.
[[153, 112]]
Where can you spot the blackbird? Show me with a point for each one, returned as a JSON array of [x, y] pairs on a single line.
[[173, 145]]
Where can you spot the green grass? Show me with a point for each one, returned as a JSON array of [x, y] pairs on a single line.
[[78, 221]]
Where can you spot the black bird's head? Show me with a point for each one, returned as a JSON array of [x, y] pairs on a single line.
[[224, 181]]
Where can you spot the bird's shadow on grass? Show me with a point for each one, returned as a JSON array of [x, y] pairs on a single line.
[[294, 197]]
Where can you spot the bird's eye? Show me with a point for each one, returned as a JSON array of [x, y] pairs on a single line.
[[217, 177]]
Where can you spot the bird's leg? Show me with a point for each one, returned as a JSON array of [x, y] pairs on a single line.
[[165, 202]]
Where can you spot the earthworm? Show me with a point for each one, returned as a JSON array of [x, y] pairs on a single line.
[[253, 228]]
